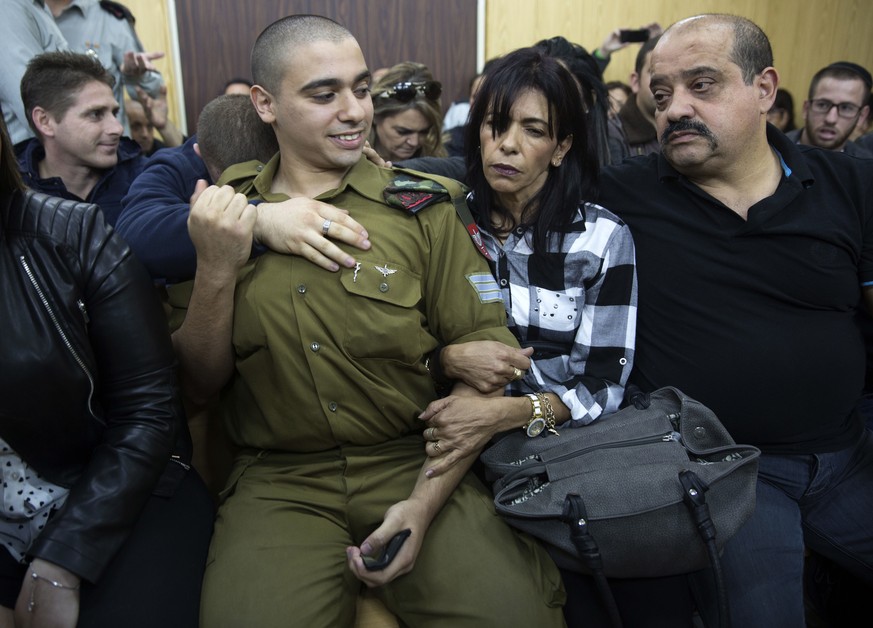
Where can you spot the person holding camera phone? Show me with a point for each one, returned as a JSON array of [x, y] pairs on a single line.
[[623, 37]]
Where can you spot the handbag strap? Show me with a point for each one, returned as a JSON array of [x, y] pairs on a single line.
[[576, 516], [694, 496]]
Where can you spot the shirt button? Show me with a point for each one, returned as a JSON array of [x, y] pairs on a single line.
[[383, 287], [301, 288], [315, 347], [332, 406], [15, 475], [259, 168]]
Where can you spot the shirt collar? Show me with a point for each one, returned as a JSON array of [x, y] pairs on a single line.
[[364, 177]]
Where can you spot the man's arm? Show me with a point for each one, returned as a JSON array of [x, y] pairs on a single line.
[[25, 33], [221, 223], [154, 215], [157, 112], [613, 43], [154, 220], [415, 513]]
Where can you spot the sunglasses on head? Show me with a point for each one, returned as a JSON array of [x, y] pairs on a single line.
[[405, 92]]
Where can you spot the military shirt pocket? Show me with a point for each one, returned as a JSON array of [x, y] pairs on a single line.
[[383, 318]]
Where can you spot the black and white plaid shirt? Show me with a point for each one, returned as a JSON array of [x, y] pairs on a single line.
[[577, 305]]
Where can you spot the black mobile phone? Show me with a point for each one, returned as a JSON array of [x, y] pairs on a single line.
[[376, 563], [627, 36]]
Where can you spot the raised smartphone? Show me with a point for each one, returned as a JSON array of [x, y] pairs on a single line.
[[627, 36]]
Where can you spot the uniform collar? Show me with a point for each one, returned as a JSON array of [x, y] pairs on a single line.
[[364, 177]]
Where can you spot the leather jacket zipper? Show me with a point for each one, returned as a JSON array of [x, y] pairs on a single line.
[[57, 325], [178, 460]]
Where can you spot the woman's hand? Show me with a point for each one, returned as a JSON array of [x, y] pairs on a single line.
[[458, 427], [41, 604], [486, 365]]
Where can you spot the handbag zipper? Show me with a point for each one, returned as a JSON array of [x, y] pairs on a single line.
[[665, 438], [671, 436], [57, 326]]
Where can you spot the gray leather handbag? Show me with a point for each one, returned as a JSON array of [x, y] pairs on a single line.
[[655, 489]]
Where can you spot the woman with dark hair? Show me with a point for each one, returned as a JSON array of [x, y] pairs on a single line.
[[407, 115], [566, 271], [565, 267], [781, 114], [595, 97], [102, 520]]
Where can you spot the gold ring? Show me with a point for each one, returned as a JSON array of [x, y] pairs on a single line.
[[436, 447], [517, 373]]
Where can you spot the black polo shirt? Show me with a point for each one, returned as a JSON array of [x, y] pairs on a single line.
[[755, 317]]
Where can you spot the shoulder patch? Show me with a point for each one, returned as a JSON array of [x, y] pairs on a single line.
[[412, 194], [117, 10], [486, 287]]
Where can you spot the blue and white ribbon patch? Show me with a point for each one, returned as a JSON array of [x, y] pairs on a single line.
[[486, 287]]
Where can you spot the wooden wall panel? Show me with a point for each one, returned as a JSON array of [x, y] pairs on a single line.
[[217, 34], [153, 28], [805, 36], [216, 37]]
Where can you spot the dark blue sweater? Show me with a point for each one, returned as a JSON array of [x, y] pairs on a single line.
[[154, 220], [108, 191]]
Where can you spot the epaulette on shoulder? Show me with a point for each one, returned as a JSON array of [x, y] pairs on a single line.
[[241, 177], [117, 10], [412, 191]]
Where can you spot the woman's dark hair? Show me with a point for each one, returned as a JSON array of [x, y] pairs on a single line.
[[552, 208], [584, 68], [10, 178], [785, 101]]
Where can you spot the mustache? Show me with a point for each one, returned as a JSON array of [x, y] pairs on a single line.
[[689, 125]]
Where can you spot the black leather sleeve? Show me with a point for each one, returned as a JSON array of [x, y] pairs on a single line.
[[138, 395]]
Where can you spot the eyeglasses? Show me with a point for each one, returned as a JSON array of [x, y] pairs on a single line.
[[823, 106], [405, 92]]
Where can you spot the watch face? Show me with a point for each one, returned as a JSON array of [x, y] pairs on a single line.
[[536, 427]]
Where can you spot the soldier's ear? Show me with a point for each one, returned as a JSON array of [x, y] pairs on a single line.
[[264, 103]]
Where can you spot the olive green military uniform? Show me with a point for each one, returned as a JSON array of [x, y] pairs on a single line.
[[330, 378]]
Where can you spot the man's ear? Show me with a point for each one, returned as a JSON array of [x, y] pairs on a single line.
[[864, 116], [767, 82], [264, 104], [805, 109], [43, 121], [635, 82]]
